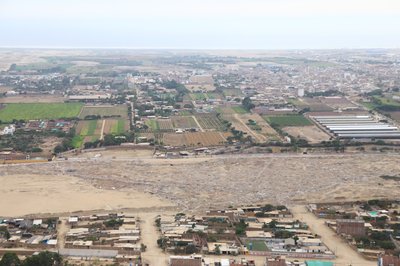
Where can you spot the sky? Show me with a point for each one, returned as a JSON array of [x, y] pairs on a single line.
[[200, 24]]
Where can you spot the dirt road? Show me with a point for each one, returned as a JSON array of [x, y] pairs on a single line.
[[153, 255], [345, 255], [62, 229]]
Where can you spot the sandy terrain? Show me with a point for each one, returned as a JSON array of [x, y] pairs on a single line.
[[201, 183], [311, 133], [28, 194]]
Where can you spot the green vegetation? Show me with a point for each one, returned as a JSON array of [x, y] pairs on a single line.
[[152, 124], [256, 245], [240, 228], [247, 104], [239, 110], [36, 111], [198, 96], [118, 127], [77, 141], [44, 258], [287, 120], [113, 223]]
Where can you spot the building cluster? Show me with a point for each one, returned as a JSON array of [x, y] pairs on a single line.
[[113, 232], [373, 227], [268, 231], [49, 125], [28, 233], [357, 127]]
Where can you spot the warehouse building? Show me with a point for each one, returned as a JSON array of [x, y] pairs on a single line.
[[357, 127]]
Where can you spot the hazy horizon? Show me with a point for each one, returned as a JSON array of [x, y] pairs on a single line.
[[200, 25]]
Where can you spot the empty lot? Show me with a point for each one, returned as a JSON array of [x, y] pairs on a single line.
[[201, 183]]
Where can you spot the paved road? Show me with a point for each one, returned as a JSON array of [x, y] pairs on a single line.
[[345, 255]]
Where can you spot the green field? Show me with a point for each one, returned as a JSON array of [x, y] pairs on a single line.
[[118, 127], [288, 120], [77, 141], [258, 245], [198, 96], [153, 125], [36, 111], [239, 110]]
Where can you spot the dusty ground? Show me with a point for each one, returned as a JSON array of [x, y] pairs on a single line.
[[33, 99], [134, 180], [311, 133], [200, 183], [24, 194]]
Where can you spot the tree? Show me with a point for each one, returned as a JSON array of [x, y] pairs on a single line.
[[247, 104], [10, 259], [45, 258]]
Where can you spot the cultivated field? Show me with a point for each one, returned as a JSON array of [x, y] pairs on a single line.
[[87, 131], [288, 120], [338, 102], [184, 122], [316, 105], [35, 111], [115, 126], [105, 111], [195, 139], [263, 127], [209, 122], [239, 122], [165, 125]]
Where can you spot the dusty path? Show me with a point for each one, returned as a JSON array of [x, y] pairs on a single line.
[[102, 129], [62, 229], [153, 255], [345, 255], [198, 124]]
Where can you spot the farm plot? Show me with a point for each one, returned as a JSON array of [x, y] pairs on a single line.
[[105, 111], [339, 103], [165, 125], [232, 92], [204, 139], [194, 139], [239, 121], [261, 126], [210, 122], [115, 126], [316, 105], [288, 120], [184, 122], [36, 111], [152, 124], [172, 139], [87, 131]]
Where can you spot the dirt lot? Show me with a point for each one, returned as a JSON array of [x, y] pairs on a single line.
[[33, 99], [32, 193], [310, 133], [200, 183], [210, 138]]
